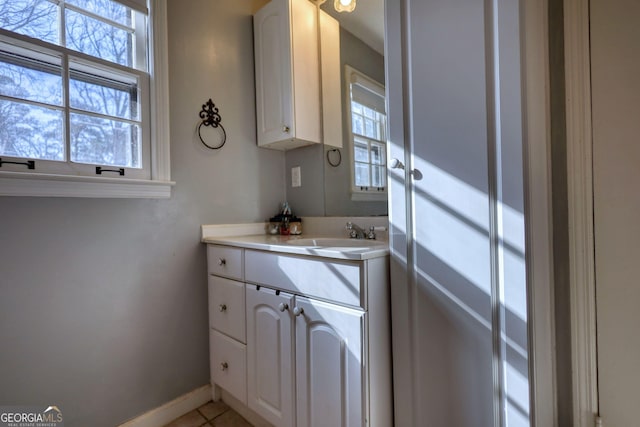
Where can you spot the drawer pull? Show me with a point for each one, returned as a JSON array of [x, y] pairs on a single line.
[[283, 307], [223, 308], [222, 261], [298, 311], [224, 366]]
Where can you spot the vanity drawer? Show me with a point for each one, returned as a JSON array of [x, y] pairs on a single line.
[[338, 281], [225, 261], [228, 359], [227, 307]]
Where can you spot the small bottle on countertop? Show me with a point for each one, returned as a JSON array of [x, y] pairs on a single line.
[[295, 226], [284, 226]]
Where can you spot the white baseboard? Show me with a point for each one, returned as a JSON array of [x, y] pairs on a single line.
[[168, 412]]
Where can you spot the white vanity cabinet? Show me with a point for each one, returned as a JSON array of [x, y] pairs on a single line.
[[324, 375], [317, 339]]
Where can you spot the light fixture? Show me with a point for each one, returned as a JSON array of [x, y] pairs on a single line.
[[344, 5]]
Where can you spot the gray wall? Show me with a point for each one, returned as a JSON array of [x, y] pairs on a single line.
[[308, 199], [334, 182], [103, 303]]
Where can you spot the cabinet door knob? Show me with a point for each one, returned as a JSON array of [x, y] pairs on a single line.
[[224, 366], [285, 129], [283, 307], [223, 307], [298, 311], [222, 261]]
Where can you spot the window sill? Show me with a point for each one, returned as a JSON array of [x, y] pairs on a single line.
[[49, 185], [369, 197]]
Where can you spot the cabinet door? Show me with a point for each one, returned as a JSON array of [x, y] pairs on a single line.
[[287, 74], [331, 80], [270, 355], [273, 73], [329, 365]]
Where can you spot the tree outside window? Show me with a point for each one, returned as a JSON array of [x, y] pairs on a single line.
[[73, 76]]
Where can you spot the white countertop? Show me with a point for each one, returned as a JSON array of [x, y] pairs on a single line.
[[277, 243]]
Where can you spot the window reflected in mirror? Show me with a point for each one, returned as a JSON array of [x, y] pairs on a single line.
[[367, 136]]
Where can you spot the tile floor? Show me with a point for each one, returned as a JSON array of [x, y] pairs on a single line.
[[216, 414]]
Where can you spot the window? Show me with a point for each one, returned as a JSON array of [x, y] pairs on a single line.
[[75, 98], [367, 137]]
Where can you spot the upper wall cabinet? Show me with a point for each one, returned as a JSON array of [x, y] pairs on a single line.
[[331, 80], [288, 74]]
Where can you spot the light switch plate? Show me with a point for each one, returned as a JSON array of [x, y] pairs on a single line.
[[296, 178]]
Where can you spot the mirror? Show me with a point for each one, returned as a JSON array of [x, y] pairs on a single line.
[[325, 190]]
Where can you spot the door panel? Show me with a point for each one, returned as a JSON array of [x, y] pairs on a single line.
[[459, 296], [329, 365], [270, 376], [452, 260]]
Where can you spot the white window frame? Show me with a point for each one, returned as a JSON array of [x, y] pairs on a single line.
[[352, 75], [158, 185]]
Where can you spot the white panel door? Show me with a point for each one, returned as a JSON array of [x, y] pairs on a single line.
[[459, 295], [615, 78], [270, 373], [329, 365]]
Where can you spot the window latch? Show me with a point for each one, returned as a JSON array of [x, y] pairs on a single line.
[[30, 164], [119, 171]]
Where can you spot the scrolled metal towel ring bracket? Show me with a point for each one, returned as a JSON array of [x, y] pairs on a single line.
[[210, 117]]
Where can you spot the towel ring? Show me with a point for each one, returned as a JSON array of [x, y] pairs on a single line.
[[336, 163], [210, 117]]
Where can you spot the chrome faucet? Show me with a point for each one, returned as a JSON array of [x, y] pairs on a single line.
[[356, 232]]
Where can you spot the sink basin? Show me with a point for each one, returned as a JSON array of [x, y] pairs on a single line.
[[334, 242]]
